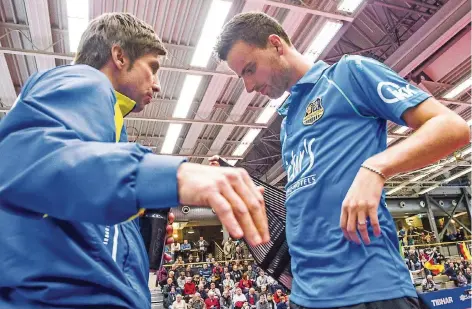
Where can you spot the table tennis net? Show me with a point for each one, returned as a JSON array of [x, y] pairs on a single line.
[[273, 257]]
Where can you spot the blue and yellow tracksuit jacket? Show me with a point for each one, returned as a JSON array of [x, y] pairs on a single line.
[[70, 195]]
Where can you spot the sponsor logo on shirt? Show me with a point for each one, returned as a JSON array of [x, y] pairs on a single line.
[[300, 164], [442, 301], [392, 93], [314, 111]]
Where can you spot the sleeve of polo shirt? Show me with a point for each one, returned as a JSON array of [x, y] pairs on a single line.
[[379, 91]]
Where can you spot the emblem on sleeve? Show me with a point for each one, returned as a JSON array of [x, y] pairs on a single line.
[[314, 112]]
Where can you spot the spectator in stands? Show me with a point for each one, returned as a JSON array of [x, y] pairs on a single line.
[[228, 248], [467, 274], [465, 262], [217, 272], [428, 284], [205, 272], [228, 282], [167, 288], [451, 273], [161, 276], [252, 298], [262, 280], [169, 298], [202, 246], [204, 282], [270, 300], [197, 302], [413, 260], [185, 248], [263, 303], [461, 279], [278, 296], [282, 304], [263, 290], [238, 299], [190, 259], [238, 254], [214, 289], [228, 266], [212, 302], [236, 273], [174, 249], [179, 303], [245, 284], [189, 287], [189, 272], [181, 280], [225, 300], [201, 290], [246, 305]]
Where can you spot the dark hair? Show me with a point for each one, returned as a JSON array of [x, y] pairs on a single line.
[[133, 35], [253, 28]]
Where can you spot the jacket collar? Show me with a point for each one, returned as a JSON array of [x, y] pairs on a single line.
[[125, 104]]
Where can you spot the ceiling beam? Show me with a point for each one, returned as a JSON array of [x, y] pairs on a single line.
[[37, 12], [305, 10]]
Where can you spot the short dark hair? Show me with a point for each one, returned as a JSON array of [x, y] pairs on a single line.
[[133, 35], [253, 28]]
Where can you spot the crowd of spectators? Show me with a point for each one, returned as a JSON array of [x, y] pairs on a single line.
[[231, 284]]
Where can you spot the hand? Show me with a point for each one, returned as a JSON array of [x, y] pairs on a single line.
[[360, 204], [231, 193], [169, 239]]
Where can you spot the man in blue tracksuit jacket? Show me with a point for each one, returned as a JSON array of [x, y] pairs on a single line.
[[70, 193]]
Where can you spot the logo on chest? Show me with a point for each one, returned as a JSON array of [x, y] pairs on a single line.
[[314, 111]]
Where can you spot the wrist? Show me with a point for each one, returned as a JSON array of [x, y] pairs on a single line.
[[379, 166]]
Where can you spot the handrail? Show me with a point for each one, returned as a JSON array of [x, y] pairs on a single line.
[[219, 253], [436, 244], [221, 262]]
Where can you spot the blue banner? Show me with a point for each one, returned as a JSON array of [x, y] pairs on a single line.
[[458, 298]]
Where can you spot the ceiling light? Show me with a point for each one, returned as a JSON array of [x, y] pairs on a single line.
[[468, 170], [190, 231], [349, 6], [458, 89], [212, 27], [187, 94], [247, 140], [401, 130], [232, 162], [426, 173], [271, 108], [172, 135], [390, 139], [77, 18], [469, 122], [322, 39]]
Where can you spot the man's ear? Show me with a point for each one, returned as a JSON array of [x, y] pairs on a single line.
[[118, 57], [275, 41]]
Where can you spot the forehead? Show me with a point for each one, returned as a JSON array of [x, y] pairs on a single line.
[[239, 55]]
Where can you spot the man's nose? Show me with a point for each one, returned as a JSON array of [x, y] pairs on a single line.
[[156, 85], [249, 85]]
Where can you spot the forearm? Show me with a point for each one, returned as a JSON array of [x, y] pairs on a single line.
[[435, 139]]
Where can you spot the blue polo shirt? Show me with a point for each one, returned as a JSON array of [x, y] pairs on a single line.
[[335, 119]]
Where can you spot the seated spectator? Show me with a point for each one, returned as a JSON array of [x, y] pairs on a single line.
[[467, 274], [461, 279], [167, 287], [238, 253], [212, 302], [190, 259], [197, 260], [189, 272], [179, 303], [262, 303], [451, 273], [214, 289], [428, 284], [161, 276], [238, 299], [225, 300], [201, 290], [278, 296], [169, 297], [252, 298], [245, 284], [236, 274], [282, 304], [262, 280], [181, 280], [252, 275], [205, 272], [189, 287], [228, 282], [270, 300], [246, 305], [263, 290], [197, 302]]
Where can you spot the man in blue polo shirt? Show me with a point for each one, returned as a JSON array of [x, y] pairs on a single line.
[[333, 139]]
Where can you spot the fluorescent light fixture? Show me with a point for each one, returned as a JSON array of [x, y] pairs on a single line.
[[390, 139], [78, 18], [212, 27], [466, 151], [468, 170], [349, 6], [232, 162], [401, 130], [457, 90], [187, 94], [421, 176], [271, 108], [322, 39], [247, 140], [469, 122], [175, 236], [172, 135]]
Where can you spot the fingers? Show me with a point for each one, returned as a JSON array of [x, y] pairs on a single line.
[[171, 217], [351, 227], [343, 222], [244, 211], [374, 221], [362, 227], [225, 213]]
